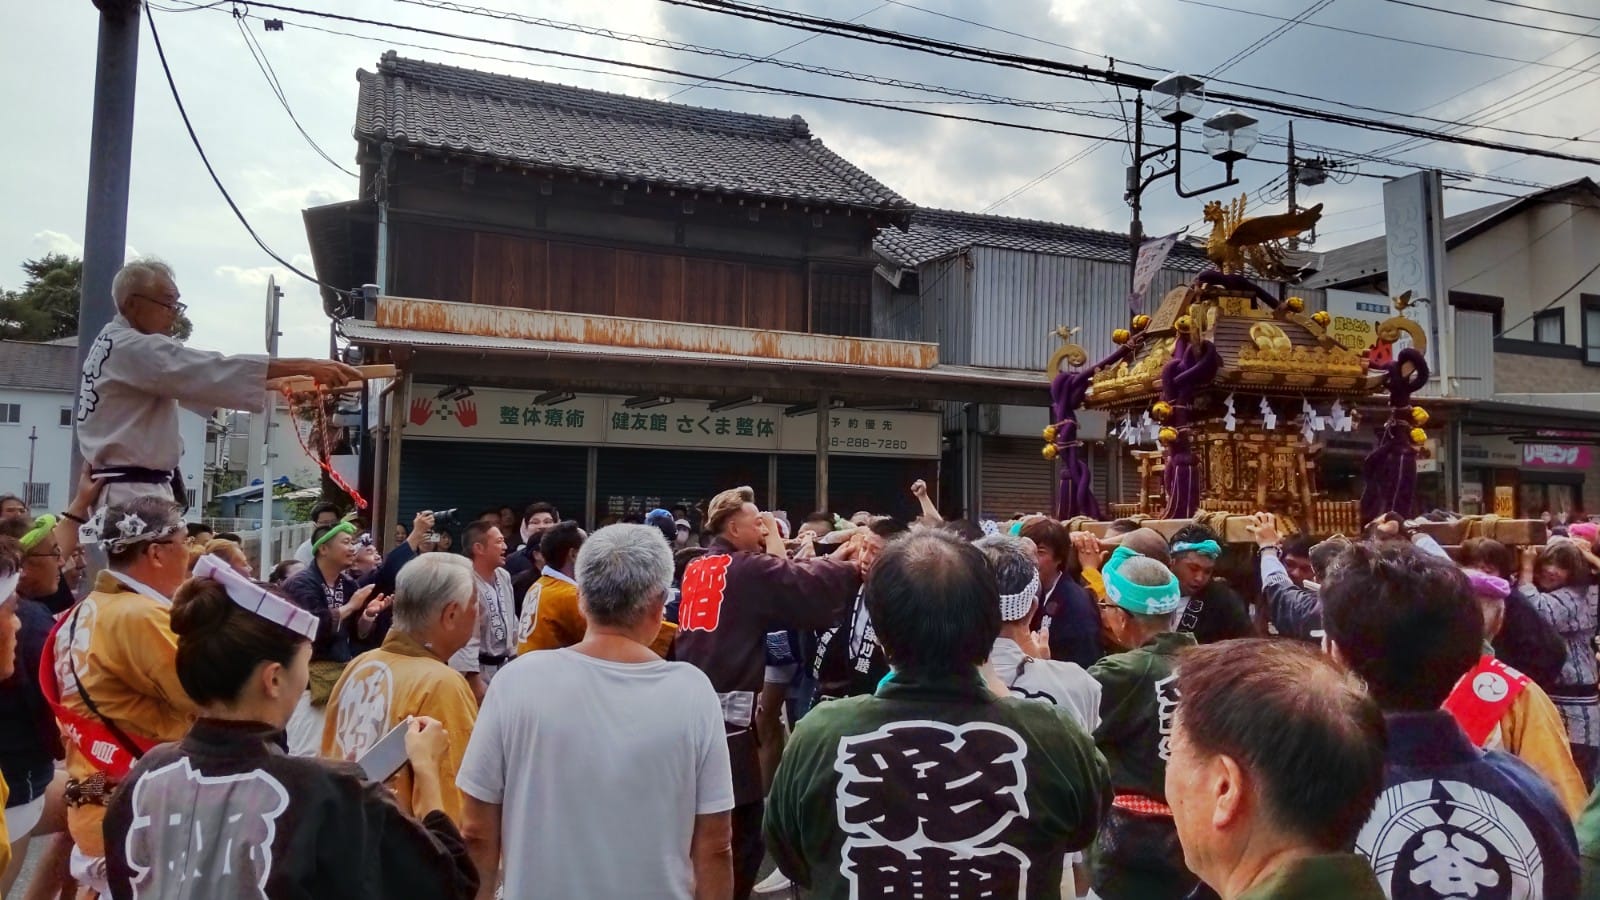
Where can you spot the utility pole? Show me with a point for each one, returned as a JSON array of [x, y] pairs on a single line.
[[274, 297], [105, 221], [1294, 176]]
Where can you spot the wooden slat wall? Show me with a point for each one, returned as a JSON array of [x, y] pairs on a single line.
[[534, 273]]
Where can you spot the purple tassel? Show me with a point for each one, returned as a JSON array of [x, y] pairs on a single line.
[[1390, 470], [1191, 368]]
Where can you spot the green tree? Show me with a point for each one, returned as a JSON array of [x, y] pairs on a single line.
[[46, 307]]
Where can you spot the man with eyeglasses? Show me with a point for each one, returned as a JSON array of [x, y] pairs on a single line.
[[136, 375]]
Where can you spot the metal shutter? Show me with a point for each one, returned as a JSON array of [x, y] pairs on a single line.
[[880, 485], [478, 476], [647, 477], [1015, 478]]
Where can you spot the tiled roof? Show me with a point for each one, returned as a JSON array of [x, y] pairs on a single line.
[[939, 232], [39, 367], [1366, 259], [552, 127]]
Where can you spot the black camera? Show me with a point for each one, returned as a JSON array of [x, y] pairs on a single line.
[[445, 518]]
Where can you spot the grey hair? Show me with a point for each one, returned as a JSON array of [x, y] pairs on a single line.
[[1147, 572], [136, 273], [621, 570], [157, 519], [427, 586], [1014, 562]]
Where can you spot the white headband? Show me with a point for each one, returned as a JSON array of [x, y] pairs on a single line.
[[1015, 606], [131, 529], [256, 599]]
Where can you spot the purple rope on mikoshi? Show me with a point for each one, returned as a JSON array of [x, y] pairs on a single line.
[[1390, 470], [1193, 365], [1075, 486]]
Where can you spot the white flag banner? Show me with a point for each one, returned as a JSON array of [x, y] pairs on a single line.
[[1152, 255]]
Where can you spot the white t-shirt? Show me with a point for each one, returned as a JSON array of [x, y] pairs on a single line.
[[1066, 684], [601, 768]]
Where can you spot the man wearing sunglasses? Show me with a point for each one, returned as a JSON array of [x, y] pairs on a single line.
[[136, 375]]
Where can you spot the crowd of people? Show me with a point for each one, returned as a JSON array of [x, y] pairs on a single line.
[[881, 708]]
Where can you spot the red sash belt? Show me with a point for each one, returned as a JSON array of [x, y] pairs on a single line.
[[1481, 698], [98, 744], [1144, 806]]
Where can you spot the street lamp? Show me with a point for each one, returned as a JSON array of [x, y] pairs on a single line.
[[1227, 136]]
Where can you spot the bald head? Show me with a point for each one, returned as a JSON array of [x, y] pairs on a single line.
[[1146, 542]]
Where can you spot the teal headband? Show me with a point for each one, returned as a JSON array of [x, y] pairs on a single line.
[[1205, 548], [335, 531], [1139, 599], [1016, 528]]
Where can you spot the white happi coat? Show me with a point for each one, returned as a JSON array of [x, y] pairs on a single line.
[[132, 386]]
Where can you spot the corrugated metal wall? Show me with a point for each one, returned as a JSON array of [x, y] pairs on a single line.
[[1018, 298], [1474, 359], [945, 287]]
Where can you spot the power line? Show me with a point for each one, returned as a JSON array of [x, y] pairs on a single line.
[[1269, 37], [1467, 15], [1558, 298], [1553, 12], [1376, 36], [259, 54], [769, 57], [1017, 34], [194, 138], [1035, 64]]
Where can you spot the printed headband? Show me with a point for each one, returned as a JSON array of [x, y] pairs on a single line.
[[254, 598], [335, 531], [1208, 548], [989, 526], [41, 527], [1140, 599], [365, 539], [1016, 606], [1486, 585], [131, 529]]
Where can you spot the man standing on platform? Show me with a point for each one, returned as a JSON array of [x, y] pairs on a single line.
[[731, 598], [136, 375]]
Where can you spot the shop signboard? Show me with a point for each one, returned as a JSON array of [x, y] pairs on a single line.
[[1505, 501], [495, 414], [1490, 450], [1355, 317], [1556, 456]]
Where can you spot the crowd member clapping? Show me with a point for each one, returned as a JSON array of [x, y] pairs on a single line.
[[225, 813], [603, 745], [933, 786], [1277, 757], [435, 615], [1407, 624]]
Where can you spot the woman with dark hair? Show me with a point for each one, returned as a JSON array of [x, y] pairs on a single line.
[[1556, 580], [225, 813]]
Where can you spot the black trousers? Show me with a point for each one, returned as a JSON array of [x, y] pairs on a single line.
[[748, 848]]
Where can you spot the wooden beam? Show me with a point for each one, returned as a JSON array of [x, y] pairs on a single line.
[[399, 408], [824, 419]]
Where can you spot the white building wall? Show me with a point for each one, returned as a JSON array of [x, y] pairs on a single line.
[[51, 453]]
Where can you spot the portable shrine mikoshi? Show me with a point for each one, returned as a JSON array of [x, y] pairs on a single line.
[[1231, 388]]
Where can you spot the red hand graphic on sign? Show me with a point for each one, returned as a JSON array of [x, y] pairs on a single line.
[[704, 583], [467, 413], [420, 411]]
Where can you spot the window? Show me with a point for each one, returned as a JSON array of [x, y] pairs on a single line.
[[1550, 326], [66, 417], [37, 493], [10, 413], [1591, 330]]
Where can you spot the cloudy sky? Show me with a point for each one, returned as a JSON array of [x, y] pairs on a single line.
[[1532, 79]]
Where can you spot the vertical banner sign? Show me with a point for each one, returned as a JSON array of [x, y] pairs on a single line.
[[1152, 255], [1413, 214]]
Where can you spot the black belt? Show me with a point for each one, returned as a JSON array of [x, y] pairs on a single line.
[[485, 659], [142, 475]]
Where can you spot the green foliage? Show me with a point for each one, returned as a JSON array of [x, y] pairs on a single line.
[[46, 307]]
